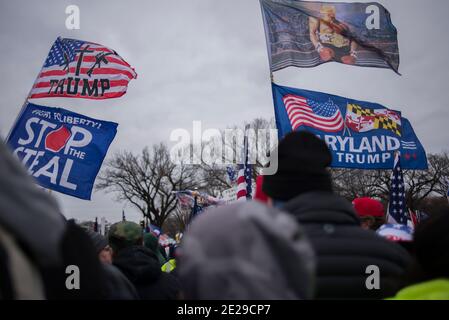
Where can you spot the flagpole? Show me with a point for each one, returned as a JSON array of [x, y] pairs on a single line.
[[19, 115], [267, 40], [22, 109], [447, 193], [195, 206]]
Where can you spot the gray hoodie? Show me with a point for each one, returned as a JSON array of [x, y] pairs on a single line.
[[246, 251]]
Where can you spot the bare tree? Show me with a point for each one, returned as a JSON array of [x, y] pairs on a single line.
[[428, 183], [177, 222], [147, 181], [214, 176], [354, 183], [419, 184]]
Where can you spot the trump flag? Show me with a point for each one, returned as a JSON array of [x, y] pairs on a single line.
[[62, 150], [359, 134], [306, 34], [82, 69]]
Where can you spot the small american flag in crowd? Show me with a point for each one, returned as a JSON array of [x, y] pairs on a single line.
[[397, 209], [81, 69], [244, 181], [306, 112], [231, 174], [417, 217]]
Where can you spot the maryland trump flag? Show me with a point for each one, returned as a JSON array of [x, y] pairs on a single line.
[[359, 134], [306, 34]]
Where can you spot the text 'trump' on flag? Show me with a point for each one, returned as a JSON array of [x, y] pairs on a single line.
[[82, 69]]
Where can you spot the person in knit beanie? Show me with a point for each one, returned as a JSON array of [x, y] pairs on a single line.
[[101, 246], [302, 166], [118, 285], [302, 186]]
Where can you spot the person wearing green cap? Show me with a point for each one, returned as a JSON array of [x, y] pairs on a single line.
[[151, 242], [139, 264]]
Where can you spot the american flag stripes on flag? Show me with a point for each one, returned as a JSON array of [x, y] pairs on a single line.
[[244, 187], [306, 112], [244, 181], [397, 209], [417, 217], [81, 69]]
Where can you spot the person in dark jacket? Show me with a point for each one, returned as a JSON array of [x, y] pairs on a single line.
[[429, 277], [150, 241], [118, 287], [139, 264], [345, 251]]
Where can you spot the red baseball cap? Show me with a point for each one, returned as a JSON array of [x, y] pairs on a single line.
[[368, 207]]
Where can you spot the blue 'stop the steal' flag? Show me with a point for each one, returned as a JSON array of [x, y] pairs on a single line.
[[63, 150], [360, 134]]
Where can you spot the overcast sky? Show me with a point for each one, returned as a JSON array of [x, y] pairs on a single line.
[[206, 60]]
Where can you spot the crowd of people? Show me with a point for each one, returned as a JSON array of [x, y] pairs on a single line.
[[296, 240]]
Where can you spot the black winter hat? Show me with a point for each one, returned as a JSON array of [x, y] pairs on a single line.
[[302, 162], [99, 241]]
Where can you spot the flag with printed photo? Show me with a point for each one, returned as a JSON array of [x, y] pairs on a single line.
[[306, 34]]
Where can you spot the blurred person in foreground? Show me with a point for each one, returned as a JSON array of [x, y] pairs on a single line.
[[246, 251], [37, 243], [139, 264], [430, 276], [302, 186]]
